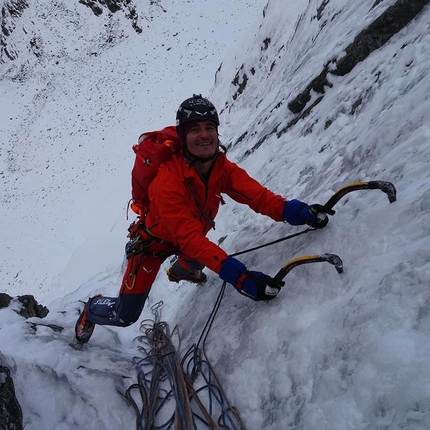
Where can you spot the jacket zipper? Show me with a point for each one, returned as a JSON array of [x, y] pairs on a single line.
[[243, 195]]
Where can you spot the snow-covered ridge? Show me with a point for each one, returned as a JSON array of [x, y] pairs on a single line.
[[377, 22], [78, 107]]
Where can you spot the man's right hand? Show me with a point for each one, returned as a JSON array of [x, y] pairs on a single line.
[[299, 213]]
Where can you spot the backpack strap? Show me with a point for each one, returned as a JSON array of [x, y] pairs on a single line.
[[209, 220]]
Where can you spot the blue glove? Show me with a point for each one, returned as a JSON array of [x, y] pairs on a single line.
[[298, 213], [255, 285]]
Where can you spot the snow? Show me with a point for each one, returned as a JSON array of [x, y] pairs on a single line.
[[332, 351]]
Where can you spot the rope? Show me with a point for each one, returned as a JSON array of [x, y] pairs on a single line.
[[163, 381], [307, 230], [160, 378], [196, 363]]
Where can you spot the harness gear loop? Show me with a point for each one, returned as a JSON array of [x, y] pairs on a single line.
[[130, 287], [133, 274]]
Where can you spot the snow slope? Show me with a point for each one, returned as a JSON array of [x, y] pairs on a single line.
[[332, 351]]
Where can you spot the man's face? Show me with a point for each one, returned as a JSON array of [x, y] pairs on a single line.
[[202, 139]]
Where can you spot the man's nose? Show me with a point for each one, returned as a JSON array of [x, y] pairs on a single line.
[[204, 132]]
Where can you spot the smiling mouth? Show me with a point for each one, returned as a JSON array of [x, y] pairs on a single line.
[[204, 144]]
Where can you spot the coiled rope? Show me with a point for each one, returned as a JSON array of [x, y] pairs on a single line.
[[167, 397]]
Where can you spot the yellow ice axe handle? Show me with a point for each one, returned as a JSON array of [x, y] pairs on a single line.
[[333, 259], [387, 187]]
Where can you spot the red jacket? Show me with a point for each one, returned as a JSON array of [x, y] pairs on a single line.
[[183, 207]]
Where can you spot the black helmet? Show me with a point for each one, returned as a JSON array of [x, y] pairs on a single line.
[[194, 109]]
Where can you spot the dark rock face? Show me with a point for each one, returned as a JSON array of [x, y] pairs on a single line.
[[5, 300], [31, 308], [373, 37], [390, 22], [10, 12], [10, 410], [114, 6], [379, 32]]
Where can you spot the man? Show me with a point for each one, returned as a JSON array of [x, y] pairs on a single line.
[[184, 200]]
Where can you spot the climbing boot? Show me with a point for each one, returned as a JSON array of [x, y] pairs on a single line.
[[84, 328], [194, 276]]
